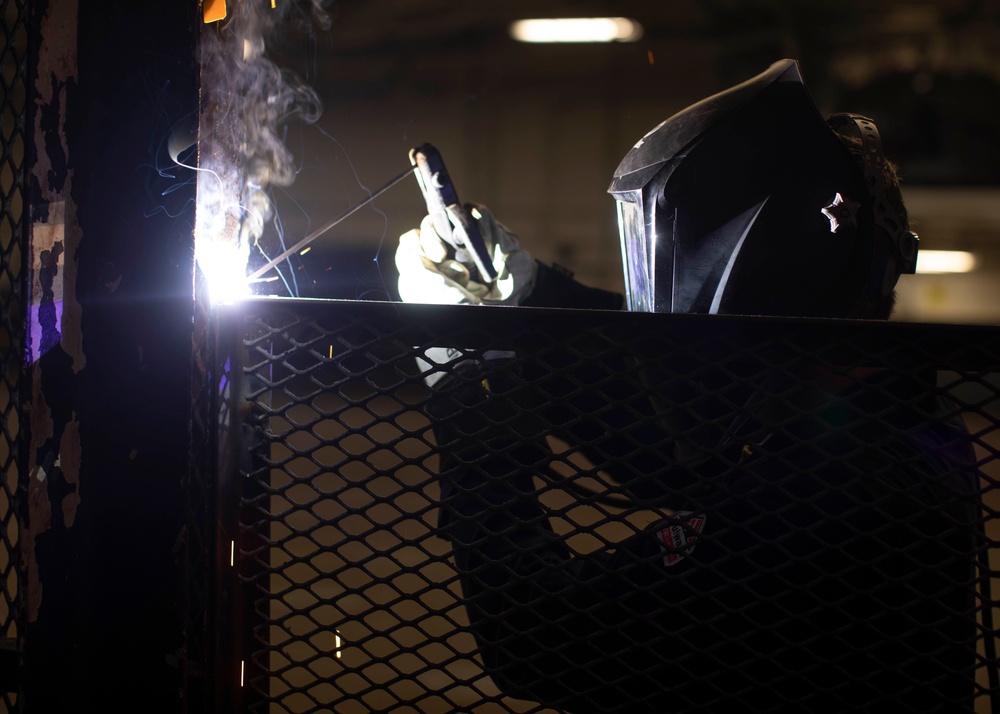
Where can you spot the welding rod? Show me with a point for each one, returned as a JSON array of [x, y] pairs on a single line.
[[327, 226]]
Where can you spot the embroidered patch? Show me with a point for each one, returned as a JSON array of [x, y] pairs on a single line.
[[680, 535]]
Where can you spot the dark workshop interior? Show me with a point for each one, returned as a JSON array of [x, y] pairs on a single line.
[[105, 323]]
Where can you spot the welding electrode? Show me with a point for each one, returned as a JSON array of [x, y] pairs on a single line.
[[330, 224]]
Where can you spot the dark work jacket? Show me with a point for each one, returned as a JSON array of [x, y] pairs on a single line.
[[825, 564]]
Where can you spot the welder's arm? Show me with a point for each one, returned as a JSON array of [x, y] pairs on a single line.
[[427, 274], [555, 287]]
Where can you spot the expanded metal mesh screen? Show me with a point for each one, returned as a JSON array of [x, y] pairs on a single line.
[[594, 511], [13, 108]]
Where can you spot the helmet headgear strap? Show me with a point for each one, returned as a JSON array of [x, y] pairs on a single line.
[[902, 254]]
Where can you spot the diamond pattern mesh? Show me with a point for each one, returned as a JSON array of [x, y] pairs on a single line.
[[604, 511], [13, 87]]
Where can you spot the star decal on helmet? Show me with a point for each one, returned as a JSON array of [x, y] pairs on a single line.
[[841, 212]]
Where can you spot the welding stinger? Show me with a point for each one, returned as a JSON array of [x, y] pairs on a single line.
[[451, 219]]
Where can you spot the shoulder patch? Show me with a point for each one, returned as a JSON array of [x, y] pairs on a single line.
[[679, 535]]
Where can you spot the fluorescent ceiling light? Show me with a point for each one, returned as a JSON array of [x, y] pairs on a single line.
[[945, 261], [577, 29]]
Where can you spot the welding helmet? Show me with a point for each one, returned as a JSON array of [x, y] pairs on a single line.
[[748, 203]]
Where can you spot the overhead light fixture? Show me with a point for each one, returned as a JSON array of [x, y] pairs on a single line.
[[577, 29], [946, 261]]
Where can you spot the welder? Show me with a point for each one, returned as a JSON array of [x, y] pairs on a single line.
[[818, 551]]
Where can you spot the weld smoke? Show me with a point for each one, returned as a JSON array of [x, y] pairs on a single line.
[[247, 101]]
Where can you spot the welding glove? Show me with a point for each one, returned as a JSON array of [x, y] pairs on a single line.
[[427, 275]]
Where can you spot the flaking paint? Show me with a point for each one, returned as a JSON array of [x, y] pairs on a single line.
[[55, 336]]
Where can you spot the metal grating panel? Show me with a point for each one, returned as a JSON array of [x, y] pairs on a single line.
[[837, 549], [13, 109]]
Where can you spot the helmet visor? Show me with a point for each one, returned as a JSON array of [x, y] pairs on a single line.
[[675, 261], [638, 256]]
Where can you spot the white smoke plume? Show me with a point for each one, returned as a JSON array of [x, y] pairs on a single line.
[[247, 100]]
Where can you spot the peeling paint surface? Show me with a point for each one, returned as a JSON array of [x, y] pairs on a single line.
[[53, 210], [39, 505], [106, 408], [54, 333], [48, 247], [69, 464], [40, 519]]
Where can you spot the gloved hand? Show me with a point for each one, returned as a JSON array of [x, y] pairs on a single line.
[[426, 275]]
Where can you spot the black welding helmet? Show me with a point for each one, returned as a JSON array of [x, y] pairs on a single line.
[[748, 203]]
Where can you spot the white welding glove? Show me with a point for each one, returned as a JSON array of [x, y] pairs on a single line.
[[427, 275]]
